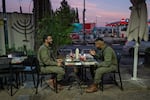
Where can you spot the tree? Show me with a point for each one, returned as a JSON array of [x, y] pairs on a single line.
[[59, 25], [41, 9]]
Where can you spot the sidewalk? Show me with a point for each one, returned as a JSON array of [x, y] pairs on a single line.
[[133, 90]]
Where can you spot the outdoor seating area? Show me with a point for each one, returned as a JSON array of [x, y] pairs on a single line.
[[19, 67], [74, 50], [23, 73], [27, 89]]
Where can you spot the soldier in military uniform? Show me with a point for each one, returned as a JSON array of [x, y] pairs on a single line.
[[47, 62], [109, 63]]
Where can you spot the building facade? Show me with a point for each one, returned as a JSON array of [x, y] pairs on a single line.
[[20, 32]]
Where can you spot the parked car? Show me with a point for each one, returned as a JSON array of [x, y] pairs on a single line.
[[74, 36], [128, 48]]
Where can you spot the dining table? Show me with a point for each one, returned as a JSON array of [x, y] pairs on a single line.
[[85, 61], [10, 65]]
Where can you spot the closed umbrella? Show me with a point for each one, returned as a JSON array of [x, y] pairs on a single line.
[[138, 28]]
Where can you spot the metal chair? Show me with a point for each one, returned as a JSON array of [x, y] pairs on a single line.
[[64, 52], [113, 75], [29, 68], [40, 76], [6, 72], [86, 51]]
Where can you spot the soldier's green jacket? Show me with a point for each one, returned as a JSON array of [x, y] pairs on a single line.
[[44, 56], [109, 57]]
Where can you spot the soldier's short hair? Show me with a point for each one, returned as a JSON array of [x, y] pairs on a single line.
[[99, 39]]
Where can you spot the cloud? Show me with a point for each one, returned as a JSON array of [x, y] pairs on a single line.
[[93, 12], [26, 5], [93, 9], [55, 4]]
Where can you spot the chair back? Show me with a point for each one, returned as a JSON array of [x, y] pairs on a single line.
[[64, 52], [118, 57], [4, 62], [118, 60], [85, 50], [29, 63], [36, 64]]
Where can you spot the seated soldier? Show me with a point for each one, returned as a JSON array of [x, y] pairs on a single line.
[[48, 63], [108, 64]]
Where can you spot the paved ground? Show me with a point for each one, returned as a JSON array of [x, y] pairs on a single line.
[[133, 89]]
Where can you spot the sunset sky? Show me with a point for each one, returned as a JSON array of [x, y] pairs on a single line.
[[100, 11]]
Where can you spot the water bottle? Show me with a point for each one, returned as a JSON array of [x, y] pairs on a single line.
[[77, 53]]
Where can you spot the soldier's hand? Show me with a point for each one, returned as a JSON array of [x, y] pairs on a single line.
[[92, 52], [59, 64]]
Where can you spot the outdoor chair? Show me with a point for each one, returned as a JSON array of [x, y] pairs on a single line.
[[64, 52], [6, 74], [28, 68], [86, 51], [41, 76], [4, 70], [31, 66], [112, 75]]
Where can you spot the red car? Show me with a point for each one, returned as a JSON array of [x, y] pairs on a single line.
[[75, 36]]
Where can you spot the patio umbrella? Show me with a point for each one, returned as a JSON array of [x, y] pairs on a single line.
[[138, 28]]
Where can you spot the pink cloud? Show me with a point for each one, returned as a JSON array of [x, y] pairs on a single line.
[[26, 5], [92, 13], [55, 3], [92, 10]]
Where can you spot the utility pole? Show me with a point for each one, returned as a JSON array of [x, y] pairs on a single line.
[[84, 21], [5, 25]]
